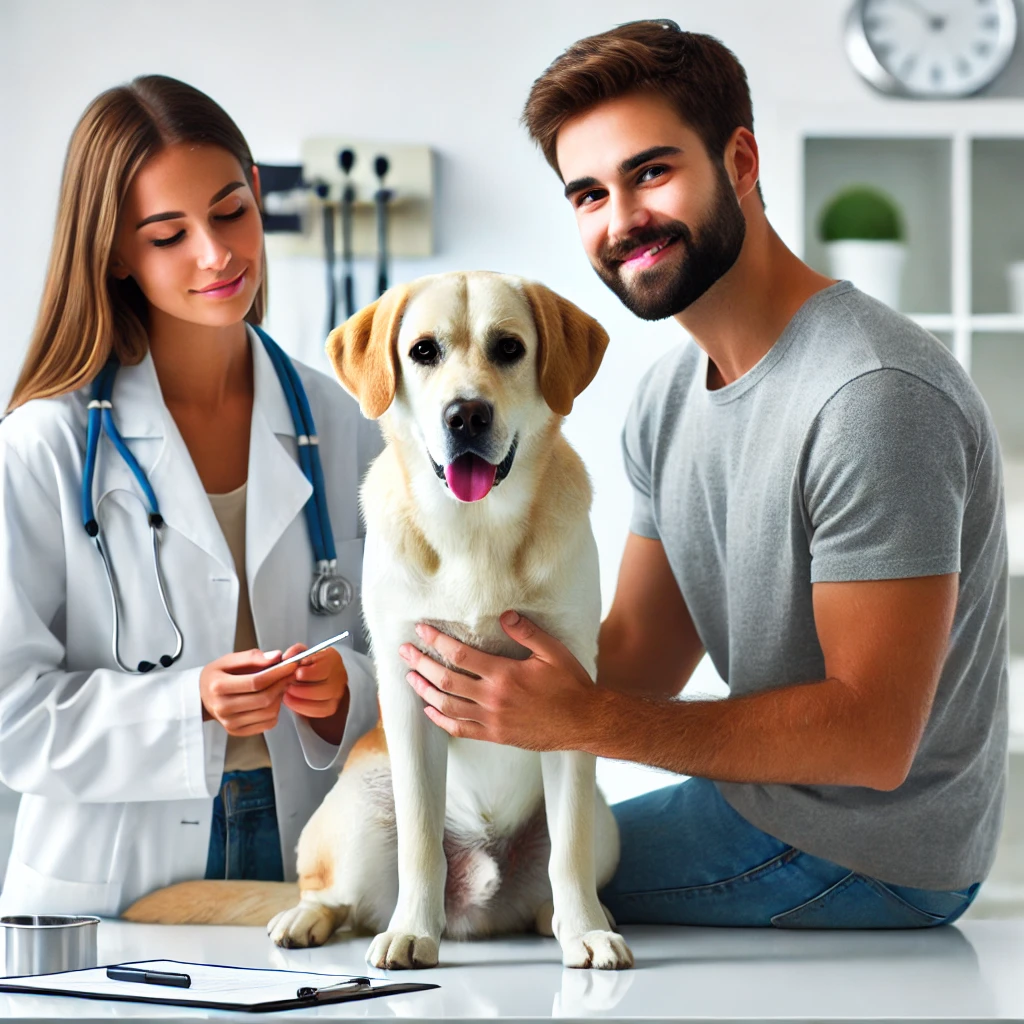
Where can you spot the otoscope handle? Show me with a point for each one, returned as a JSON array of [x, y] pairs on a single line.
[[383, 196], [328, 225], [350, 297]]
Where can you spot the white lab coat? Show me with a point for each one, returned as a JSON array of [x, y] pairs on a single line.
[[118, 771]]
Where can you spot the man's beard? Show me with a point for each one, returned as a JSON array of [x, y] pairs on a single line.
[[661, 291]]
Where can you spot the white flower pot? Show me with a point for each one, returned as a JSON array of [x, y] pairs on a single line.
[[1015, 279], [876, 268]]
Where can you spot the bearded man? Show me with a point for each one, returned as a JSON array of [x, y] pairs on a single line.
[[818, 506]]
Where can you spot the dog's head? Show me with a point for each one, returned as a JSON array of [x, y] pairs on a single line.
[[474, 364]]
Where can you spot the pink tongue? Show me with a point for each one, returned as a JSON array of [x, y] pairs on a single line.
[[470, 477]]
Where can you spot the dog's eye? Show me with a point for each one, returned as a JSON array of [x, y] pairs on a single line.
[[425, 352], [509, 350]]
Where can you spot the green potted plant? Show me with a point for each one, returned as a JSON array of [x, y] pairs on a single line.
[[865, 240]]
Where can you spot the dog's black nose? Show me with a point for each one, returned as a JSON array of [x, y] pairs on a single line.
[[468, 417]]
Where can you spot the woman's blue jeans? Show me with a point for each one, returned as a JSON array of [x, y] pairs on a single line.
[[244, 839], [689, 858]]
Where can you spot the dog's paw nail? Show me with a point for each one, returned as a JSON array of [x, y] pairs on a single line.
[[599, 950], [303, 926], [399, 951]]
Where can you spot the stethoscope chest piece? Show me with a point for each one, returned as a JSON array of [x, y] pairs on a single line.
[[330, 593]]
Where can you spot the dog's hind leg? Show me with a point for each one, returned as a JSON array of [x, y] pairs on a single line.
[[346, 855], [307, 924], [543, 923]]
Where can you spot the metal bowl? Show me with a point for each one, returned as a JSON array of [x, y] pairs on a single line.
[[47, 944]]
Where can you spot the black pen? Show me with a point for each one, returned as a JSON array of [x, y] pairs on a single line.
[[140, 976]]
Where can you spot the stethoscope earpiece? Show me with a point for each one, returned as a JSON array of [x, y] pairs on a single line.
[[330, 593]]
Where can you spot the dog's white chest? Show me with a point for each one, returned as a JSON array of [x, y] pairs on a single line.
[[491, 790]]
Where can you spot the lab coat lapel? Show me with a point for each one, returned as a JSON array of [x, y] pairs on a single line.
[[278, 489], [150, 431]]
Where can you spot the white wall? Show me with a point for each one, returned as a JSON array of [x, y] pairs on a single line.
[[452, 74]]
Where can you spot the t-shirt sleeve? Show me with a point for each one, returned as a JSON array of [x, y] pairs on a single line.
[[637, 455], [887, 473]]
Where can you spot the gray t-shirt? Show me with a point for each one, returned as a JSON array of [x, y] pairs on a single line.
[[856, 449]]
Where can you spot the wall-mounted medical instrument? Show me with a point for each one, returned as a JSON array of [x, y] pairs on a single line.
[[330, 592], [327, 214], [931, 49], [285, 197], [382, 197], [410, 179], [346, 161], [383, 223]]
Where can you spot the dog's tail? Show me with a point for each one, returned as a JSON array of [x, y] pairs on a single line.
[[214, 902]]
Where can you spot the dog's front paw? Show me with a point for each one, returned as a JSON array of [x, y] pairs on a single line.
[[399, 951], [605, 951], [307, 924]]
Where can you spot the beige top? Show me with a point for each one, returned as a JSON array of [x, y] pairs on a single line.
[[243, 752]]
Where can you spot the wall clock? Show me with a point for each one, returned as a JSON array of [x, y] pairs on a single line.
[[931, 49]]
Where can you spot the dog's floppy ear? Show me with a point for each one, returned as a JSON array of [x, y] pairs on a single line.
[[572, 345], [363, 351]]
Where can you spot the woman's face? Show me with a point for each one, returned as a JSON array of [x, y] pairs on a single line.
[[191, 236]]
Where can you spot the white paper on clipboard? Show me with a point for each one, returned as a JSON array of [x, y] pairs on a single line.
[[230, 987]]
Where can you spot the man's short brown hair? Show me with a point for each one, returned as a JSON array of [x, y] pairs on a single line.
[[699, 76]]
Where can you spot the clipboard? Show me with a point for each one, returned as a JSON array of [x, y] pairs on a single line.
[[214, 987]]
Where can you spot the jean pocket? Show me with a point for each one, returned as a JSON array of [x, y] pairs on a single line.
[[856, 901]]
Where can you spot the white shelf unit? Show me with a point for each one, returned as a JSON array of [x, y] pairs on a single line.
[[956, 171], [957, 194]]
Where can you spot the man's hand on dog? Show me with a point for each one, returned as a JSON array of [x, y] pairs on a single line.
[[536, 704]]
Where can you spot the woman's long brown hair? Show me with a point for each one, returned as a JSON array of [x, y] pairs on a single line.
[[86, 315]]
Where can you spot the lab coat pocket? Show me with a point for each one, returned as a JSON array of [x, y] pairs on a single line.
[[27, 891], [856, 901]]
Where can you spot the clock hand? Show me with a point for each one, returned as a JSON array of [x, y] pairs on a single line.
[[936, 22]]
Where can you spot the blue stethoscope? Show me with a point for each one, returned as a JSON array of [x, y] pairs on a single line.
[[330, 592]]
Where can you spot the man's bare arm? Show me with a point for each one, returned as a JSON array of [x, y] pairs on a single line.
[[884, 644], [648, 645]]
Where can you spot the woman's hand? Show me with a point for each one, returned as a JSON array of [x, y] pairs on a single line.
[[243, 691], [319, 692]]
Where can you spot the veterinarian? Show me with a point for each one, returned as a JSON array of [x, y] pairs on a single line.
[[818, 505], [141, 761]]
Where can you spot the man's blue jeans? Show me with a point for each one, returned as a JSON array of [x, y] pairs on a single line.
[[244, 838], [689, 858]]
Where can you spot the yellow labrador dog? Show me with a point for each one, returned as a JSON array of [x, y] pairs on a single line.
[[477, 505]]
